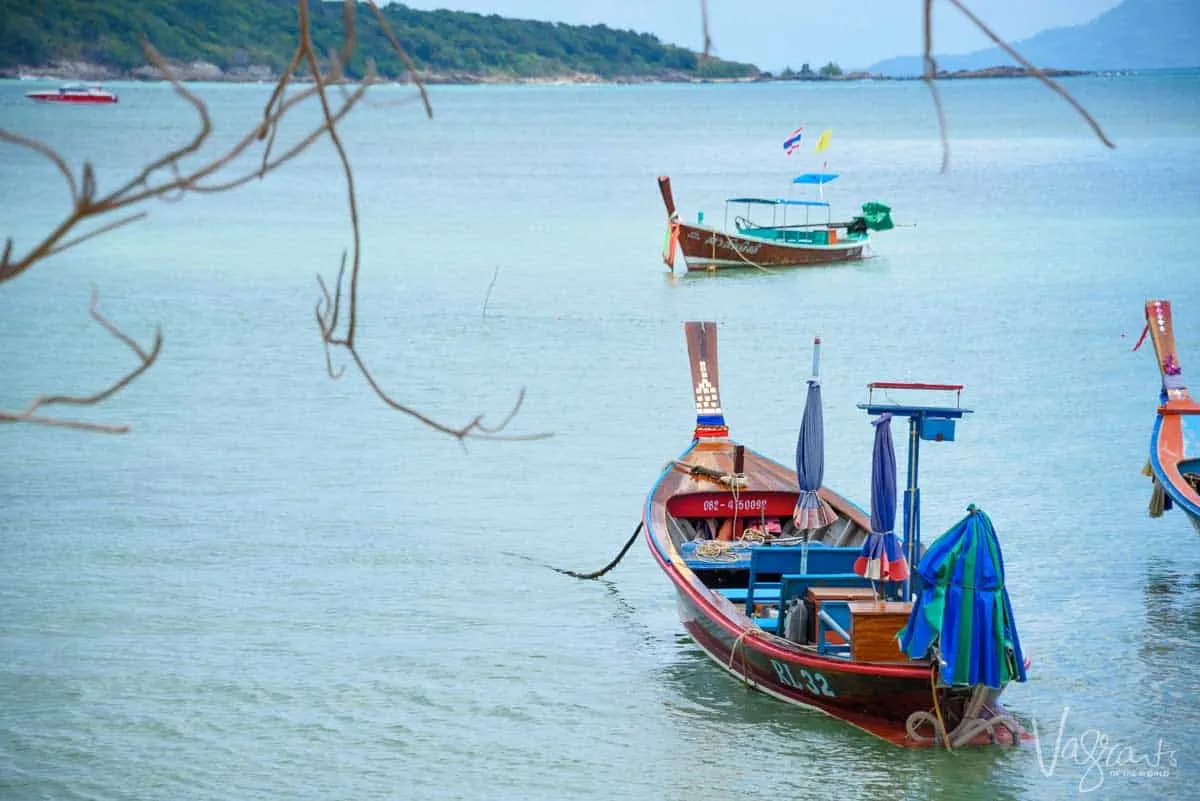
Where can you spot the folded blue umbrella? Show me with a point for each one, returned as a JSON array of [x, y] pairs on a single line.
[[812, 511], [882, 557]]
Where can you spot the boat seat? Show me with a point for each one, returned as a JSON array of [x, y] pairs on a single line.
[[763, 593], [839, 611], [773, 561]]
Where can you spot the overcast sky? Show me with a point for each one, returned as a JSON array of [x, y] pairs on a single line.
[[778, 33]]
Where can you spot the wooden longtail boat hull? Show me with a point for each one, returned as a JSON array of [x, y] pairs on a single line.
[[705, 249], [1175, 441], [882, 698]]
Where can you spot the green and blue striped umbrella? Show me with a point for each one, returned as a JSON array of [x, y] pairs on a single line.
[[963, 610]]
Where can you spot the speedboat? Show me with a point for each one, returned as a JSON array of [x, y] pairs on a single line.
[[74, 93]]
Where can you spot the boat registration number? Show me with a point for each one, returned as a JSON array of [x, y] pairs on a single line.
[[742, 505], [811, 681]]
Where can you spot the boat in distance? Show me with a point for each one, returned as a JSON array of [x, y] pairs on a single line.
[[73, 93], [1174, 464], [781, 586], [774, 244]]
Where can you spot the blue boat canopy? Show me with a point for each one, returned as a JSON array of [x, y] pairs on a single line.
[[814, 178], [763, 201]]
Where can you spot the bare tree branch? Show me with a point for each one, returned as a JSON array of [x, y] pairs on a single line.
[[929, 75], [88, 205], [47, 151], [1039, 74], [145, 360], [408, 63]]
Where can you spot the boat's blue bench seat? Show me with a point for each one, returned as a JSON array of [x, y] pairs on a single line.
[[791, 585], [775, 577]]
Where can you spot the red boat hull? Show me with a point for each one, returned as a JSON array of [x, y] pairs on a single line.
[[706, 249], [56, 97]]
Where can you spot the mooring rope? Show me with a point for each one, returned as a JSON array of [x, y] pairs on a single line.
[[741, 640], [967, 729], [598, 573], [740, 255]]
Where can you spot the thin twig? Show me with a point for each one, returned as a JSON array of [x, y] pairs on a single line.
[[145, 360], [403, 54], [1038, 73], [112, 226], [488, 296], [929, 75], [47, 151]]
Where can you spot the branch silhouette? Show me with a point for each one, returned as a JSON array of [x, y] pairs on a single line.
[[930, 72], [145, 360], [166, 178]]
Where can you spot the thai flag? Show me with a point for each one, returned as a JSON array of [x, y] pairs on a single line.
[[792, 143]]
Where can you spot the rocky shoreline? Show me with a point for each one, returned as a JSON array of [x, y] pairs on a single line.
[[200, 71]]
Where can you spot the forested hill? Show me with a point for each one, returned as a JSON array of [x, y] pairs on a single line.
[[246, 38]]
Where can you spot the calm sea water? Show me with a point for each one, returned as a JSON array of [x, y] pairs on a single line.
[[275, 587]]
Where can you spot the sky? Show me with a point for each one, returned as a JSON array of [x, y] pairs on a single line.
[[774, 34]]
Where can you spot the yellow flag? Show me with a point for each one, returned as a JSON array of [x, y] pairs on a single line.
[[823, 140]]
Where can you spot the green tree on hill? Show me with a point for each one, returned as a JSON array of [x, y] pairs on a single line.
[[241, 33]]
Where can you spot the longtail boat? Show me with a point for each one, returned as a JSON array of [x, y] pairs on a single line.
[[774, 244], [1174, 465], [777, 577]]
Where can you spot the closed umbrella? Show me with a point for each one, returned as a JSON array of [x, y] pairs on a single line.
[[882, 557], [964, 611], [812, 511]]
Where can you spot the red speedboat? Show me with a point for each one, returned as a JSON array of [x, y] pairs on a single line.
[[74, 93]]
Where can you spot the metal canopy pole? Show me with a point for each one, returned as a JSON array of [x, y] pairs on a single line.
[[912, 503]]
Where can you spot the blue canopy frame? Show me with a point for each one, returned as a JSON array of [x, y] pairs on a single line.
[[815, 178]]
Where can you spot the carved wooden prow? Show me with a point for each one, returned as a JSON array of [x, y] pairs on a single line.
[[706, 385]]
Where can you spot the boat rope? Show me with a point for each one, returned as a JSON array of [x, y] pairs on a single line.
[[732, 480], [968, 729], [1158, 500], [741, 640], [937, 707], [598, 573], [716, 550], [739, 253]]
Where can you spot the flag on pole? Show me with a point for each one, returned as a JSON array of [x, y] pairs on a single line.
[[792, 143], [823, 140]]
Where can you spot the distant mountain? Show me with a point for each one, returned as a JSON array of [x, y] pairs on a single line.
[[1138, 34]]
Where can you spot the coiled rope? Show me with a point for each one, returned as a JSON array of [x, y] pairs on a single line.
[[970, 727]]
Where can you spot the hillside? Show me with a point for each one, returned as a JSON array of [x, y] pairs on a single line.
[[234, 39], [1137, 34]]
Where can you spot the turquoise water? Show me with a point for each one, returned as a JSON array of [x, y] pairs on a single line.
[[274, 587]]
